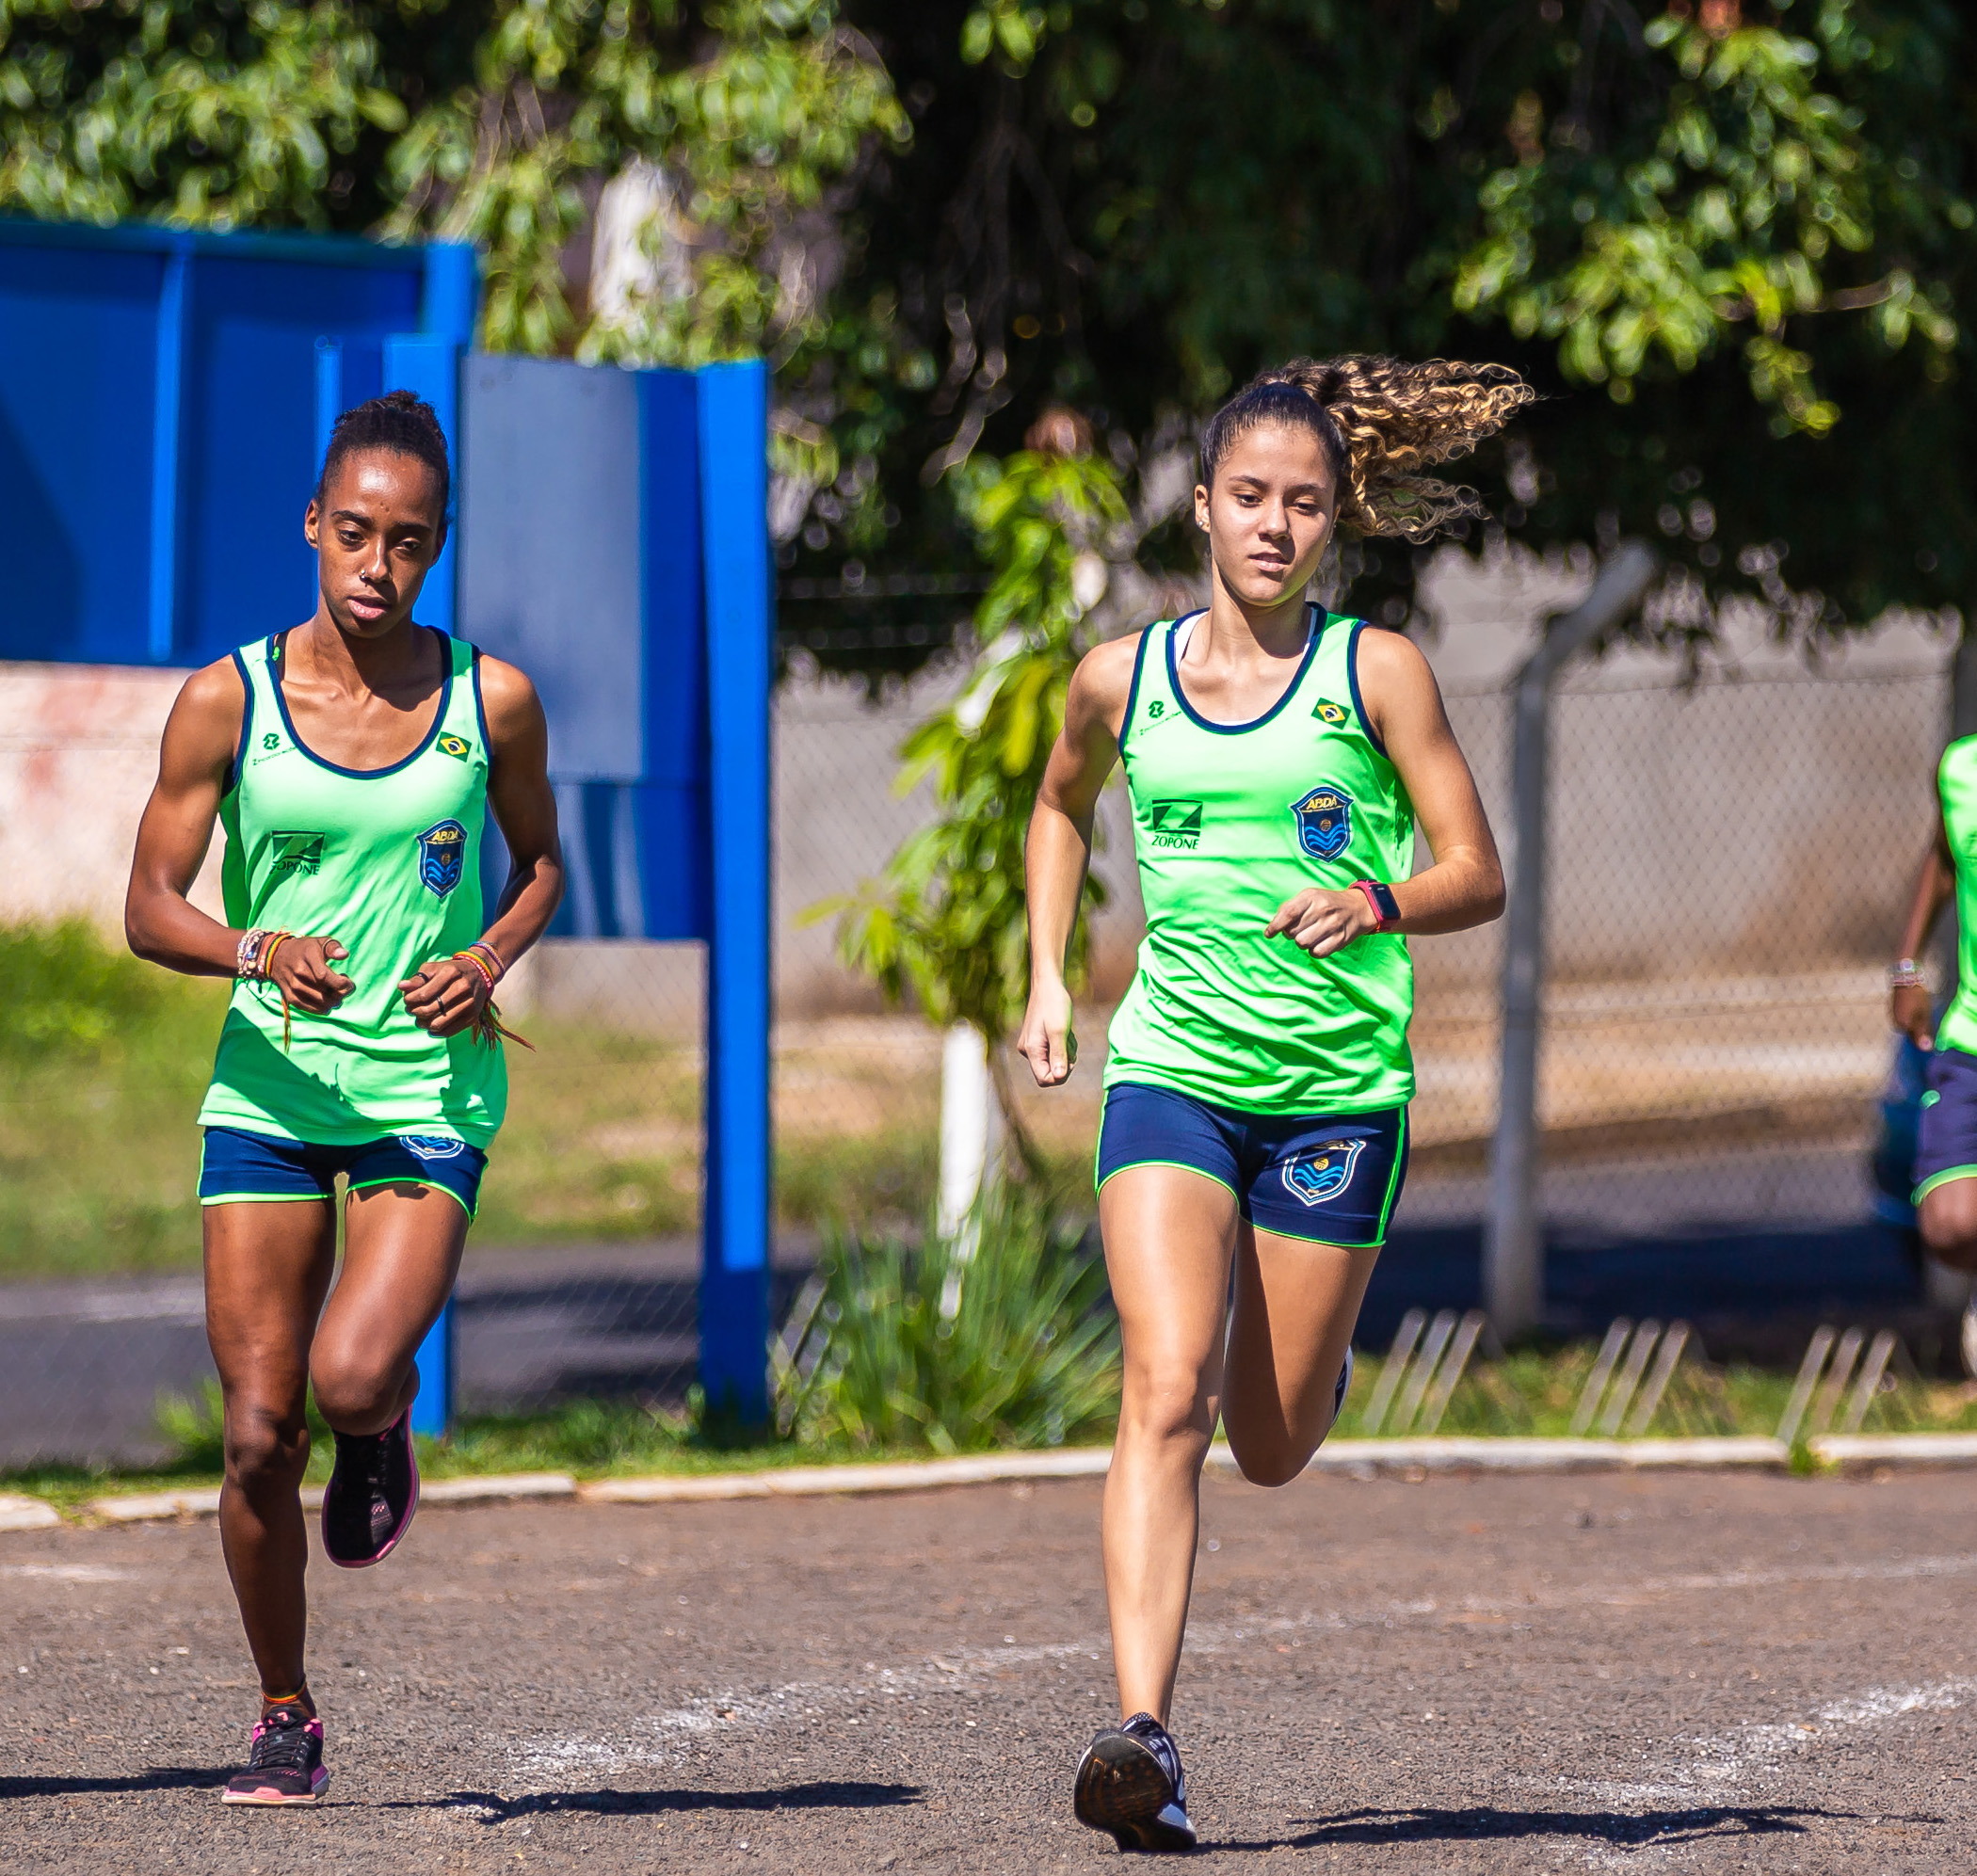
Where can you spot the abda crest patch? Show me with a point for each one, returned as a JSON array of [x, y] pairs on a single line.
[[442, 856], [1323, 821], [1323, 1172]]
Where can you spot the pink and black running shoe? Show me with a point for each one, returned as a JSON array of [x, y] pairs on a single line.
[[373, 1490], [285, 1764]]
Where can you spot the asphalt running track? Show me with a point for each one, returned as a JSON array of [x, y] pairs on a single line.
[[1691, 1672]]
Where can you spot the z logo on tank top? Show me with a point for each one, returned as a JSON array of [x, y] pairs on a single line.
[[442, 856], [1323, 1172], [1323, 821]]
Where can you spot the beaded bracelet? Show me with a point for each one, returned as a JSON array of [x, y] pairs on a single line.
[[264, 970], [487, 1027]]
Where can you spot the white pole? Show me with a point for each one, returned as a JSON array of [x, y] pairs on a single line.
[[970, 1144]]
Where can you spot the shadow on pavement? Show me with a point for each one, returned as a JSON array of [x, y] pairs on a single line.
[[1485, 1821], [157, 1778], [825, 1794]]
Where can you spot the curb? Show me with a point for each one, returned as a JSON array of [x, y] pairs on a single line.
[[24, 1514], [1371, 1458], [1896, 1449], [1351, 1458], [203, 1500], [812, 1482]]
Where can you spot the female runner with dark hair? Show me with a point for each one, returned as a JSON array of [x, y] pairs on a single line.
[[352, 762], [1277, 757]]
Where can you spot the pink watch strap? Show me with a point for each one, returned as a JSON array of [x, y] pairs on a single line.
[[1379, 918]]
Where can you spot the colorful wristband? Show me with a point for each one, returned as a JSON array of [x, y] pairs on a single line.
[[1386, 908]]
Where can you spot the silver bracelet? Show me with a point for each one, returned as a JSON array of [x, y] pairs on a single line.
[[1906, 975]]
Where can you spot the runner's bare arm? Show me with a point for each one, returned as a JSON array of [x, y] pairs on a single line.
[[160, 923], [1911, 1007], [1058, 848], [1464, 886], [200, 736], [446, 995]]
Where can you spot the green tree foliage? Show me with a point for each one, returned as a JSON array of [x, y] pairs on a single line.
[[946, 921], [748, 139], [1727, 233], [208, 116], [1755, 177], [1733, 242]]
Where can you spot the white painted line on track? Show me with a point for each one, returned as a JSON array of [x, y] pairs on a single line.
[[70, 1573], [650, 1740], [1714, 1768]]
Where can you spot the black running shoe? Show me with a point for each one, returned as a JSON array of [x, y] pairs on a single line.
[[1130, 1783], [373, 1492], [285, 1766]]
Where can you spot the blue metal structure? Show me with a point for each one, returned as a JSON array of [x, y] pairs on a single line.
[[614, 545], [158, 423], [165, 401]]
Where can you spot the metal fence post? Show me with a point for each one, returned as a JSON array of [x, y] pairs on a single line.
[[1513, 1249]]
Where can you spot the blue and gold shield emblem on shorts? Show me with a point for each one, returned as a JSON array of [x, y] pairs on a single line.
[[1323, 821], [442, 856], [1322, 1172]]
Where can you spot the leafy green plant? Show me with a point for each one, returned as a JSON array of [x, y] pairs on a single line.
[[945, 925], [900, 1353]]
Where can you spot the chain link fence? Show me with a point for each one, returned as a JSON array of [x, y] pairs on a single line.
[[1731, 859]]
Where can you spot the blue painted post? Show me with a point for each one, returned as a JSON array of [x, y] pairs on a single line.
[[431, 367], [735, 1273], [166, 407], [329, 396], [452, 292]]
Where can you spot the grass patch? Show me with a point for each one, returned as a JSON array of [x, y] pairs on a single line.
[[102, 1064]]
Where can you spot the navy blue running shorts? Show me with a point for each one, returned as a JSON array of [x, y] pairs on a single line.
[[236, 1167], [1331, 1178], [1946, 1142]]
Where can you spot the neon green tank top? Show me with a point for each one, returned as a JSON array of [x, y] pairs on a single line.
[[1231, 820], [387, 861], [1956, 782]]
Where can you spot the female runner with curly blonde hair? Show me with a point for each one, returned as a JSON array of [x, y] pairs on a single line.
[[1278, 757]]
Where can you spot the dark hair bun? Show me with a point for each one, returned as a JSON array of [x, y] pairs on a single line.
[[400, 421]]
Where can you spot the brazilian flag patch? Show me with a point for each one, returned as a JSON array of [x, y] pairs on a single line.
[[1334, 713], [455, 747]]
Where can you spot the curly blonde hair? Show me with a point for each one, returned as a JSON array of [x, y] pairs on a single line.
[[1382, 421]]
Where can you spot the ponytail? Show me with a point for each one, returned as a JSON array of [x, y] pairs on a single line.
[[1382, 422]]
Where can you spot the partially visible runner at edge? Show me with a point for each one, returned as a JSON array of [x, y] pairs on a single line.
[[1278, 757], [352, 762], [1945, 1173]]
